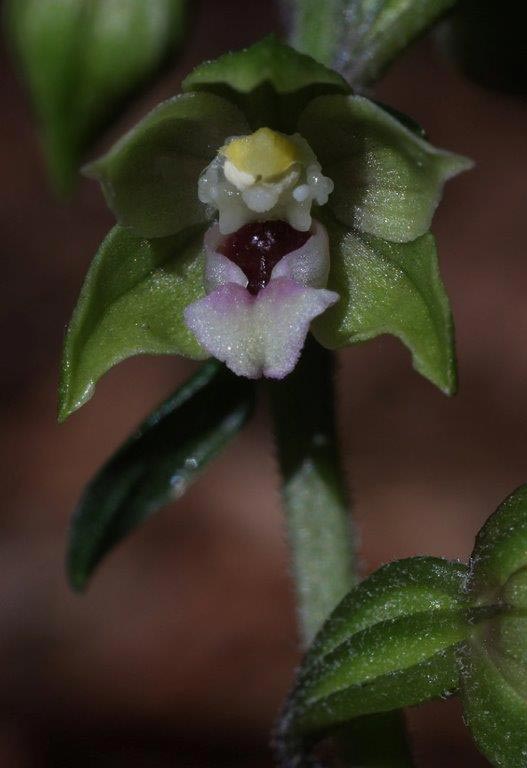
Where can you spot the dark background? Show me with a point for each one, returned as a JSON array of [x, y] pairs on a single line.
[[182, 649]]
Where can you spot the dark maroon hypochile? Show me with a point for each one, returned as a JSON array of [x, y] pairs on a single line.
[[256, 248]]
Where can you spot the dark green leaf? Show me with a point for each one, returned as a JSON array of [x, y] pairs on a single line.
[[270, 81], [388, 180], [150, 177], [158, 463], [391, 643], [82, 58], [501, 547], [132, 302], [390, 288], [372, 33], [494, 704]]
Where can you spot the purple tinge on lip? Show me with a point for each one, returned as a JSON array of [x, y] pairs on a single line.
[[262, 333]]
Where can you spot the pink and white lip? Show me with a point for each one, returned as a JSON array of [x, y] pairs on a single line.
[[261, 335]]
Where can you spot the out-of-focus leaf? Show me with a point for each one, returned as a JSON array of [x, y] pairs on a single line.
[[388, 180], [315, 27], [158, 463], [391, 288], [132, 302], [269, 81], [82, 58], [372, 33], [150, 176], [389, 644]]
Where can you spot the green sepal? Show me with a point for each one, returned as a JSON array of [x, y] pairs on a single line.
[[150, 176], [81, 65], [388, 180], [132, 302], [501, 547], [270, 82], [494, 706], [391, 288], [374, 32], [158, 463], [389, 644]]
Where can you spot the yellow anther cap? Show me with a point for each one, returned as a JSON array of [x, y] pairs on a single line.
[[264, 154]]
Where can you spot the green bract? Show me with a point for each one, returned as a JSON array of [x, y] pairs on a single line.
[[493, 662], [420, 628], [388, 182], [82, 58]]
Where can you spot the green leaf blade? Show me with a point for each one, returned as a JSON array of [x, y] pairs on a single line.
[[157, 464], [270, 82], [390, 288], [132, 302], [82, 59]]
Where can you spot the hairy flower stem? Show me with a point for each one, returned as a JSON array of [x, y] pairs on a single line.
[[314, 492], [321, 534]]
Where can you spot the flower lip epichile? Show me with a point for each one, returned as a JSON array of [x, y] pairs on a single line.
[[261, 332]]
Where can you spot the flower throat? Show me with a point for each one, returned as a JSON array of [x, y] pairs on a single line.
[[257, 247]]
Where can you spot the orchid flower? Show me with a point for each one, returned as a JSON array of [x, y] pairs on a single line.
[[264, 202]]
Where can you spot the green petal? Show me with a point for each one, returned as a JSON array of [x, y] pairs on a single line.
[[81, 65], [390, 288], [494, 710], [150, 177], [388, 180], [132, 302], [271, 82]]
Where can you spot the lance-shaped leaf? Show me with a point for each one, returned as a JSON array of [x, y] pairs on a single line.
[[150, 176], [270, 81], [391, 288], [372, 33], [158, 463], [390, 643], [388, 179], [493, 663], [132, 302], [82, 58]]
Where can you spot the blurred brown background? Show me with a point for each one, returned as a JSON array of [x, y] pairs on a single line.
[[181, 650]]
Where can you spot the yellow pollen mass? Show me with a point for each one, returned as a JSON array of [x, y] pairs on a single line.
[[264, 154]]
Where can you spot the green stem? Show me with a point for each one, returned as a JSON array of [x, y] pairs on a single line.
[[320, 533], [314, 492]]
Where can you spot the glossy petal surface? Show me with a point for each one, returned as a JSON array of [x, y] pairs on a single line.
[[388, 180]]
